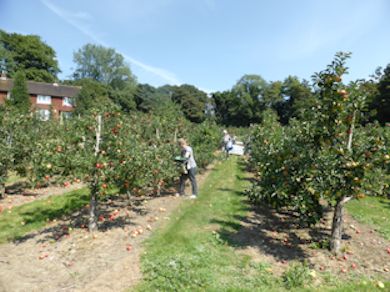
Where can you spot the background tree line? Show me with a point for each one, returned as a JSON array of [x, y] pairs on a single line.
[[107, 80]]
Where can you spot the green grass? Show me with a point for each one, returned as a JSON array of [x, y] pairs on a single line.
[[193, 251], [13, 178], [190, 253], [373, 211], [23, 219]]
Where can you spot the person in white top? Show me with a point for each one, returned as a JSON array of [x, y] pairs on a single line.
[[227, 142], [189, 170]]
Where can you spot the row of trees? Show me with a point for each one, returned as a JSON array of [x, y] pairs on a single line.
[[109, 149], [107, 80], [325, 155], [245, 103], [252, 95], [103, 145]]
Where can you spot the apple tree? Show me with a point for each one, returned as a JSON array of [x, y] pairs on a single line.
[[328, 156]]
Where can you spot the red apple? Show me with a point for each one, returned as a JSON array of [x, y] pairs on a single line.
[[342, 92]]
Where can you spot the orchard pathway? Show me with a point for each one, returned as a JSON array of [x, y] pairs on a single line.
[[217, 242], [220, 243], [63, 256]]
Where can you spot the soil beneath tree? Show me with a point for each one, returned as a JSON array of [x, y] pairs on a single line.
[[277, 239], [64, 256]]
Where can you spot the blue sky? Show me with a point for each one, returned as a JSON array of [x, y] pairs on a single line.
[[211, 43]]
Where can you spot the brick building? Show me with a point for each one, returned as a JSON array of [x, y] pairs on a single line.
[[46, 98]]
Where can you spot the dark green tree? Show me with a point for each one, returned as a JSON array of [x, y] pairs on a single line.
[[192, 101], [124, 97], [299, 98], [249, 93], [102, 64], [231, 110], [108, 67], [381, 102], [146, 97], [29, 54], [92, 95], [254, 85], [19, 98], [244, 104], [273, 94]]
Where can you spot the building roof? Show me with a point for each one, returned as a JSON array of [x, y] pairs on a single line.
[[42, 88]]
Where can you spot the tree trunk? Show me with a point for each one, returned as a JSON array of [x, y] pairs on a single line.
[[351, 129], [92, 226], [2, 190], [3, 175], [175, 137], [128, 193], [158, 192], [157, 134], [337, 225]]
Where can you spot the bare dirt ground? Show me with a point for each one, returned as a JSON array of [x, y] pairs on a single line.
[[64, 256], [17, 194], [276, 238]]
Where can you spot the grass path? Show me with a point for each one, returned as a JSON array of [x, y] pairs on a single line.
[[191, 254], [373, 211]]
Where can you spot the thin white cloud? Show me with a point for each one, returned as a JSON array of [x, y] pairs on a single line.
[[80, 19]]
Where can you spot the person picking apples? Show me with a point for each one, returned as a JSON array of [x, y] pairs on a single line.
[[227, 142], [189, 168]]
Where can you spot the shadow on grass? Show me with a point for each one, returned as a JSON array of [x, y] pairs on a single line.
[[273, 233], [73, 211], [18, 188], [386, 204]]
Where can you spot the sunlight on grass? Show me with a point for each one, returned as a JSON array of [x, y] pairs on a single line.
[[373, 211], [191, 254], [13, 178], [193, 251], [23, 219]]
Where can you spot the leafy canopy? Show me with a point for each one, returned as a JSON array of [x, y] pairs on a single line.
[[29, 54]]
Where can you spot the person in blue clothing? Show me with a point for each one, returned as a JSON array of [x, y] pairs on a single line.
[[227, 142], [189, 168]]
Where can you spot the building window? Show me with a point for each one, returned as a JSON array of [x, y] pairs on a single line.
[[44, 99], [8, 95], [43, 114], [67, 101], [65, 115]]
